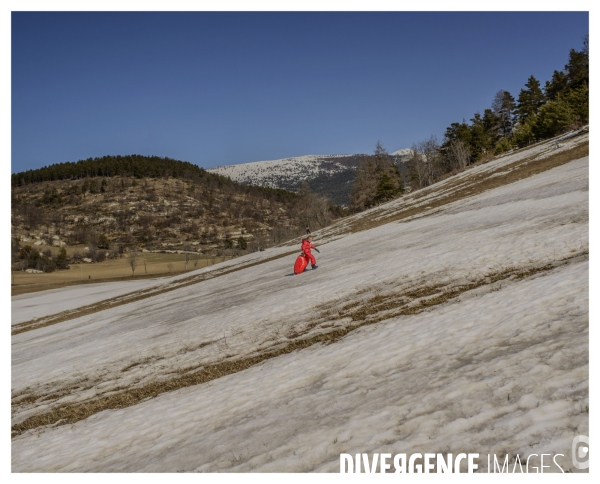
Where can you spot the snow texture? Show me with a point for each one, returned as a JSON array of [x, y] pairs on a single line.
[[503, 369], [269, 173], [26, 307]]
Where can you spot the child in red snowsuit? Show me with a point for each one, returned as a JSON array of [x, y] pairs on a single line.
[[306, 246]]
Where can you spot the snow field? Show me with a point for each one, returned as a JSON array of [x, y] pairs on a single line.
[[25, 307], [501, 373], [255, 309]]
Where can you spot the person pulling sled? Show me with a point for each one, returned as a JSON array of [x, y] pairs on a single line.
[[306, 246], [305, 257]]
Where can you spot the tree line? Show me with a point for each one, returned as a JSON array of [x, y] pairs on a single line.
[[537, 114], [136, 167]]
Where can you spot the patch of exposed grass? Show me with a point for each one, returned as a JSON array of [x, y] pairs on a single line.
[[150, 266], [29, 288]]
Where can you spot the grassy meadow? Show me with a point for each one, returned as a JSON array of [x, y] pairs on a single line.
[[147, 265]]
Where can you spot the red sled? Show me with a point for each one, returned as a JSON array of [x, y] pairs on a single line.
[[301, 263]]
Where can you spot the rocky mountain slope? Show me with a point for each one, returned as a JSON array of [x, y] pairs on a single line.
[[328, 175]]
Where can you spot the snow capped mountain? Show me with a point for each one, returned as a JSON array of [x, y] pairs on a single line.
[[330, 175], [404, 152], [273, 173]]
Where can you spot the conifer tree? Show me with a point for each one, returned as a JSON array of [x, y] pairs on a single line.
[[377, 180], [524, 133], [555, 117], [574, 75], [577, 69], [530, 99], [386, 190], [481, 141], [503, 107], [578, 100], [555, 86]]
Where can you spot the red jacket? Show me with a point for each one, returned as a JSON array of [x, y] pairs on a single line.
[[306, 246]]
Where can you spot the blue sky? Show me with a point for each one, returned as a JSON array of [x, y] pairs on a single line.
[[225, 88]]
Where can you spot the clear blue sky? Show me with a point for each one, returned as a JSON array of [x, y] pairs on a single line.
[[225, 88]]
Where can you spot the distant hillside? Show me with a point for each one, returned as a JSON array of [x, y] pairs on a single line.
[[115, 202], [328, 175], [137, 166]]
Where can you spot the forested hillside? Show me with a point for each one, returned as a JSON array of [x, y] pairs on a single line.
[[112, 205]]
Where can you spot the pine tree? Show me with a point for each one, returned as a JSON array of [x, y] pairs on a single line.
[[386, 190], [555, 117], [574, 75], [530, 99], [62, 259], [577, 69], [103, 242], [524, 133], [555, 86], [457, 131], [377, 180], [578, 100], [503, 107], [481, 141], [379, 149]]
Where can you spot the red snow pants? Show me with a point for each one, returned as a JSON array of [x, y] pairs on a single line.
[[310, 257]]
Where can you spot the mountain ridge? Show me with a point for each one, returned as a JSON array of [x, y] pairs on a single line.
[[328, 175]]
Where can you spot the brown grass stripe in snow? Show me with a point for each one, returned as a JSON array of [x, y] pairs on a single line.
[[375, 309], [132, 297]]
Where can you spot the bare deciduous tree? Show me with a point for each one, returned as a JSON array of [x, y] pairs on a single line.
[[458, 154], [186, 254], [132, 259], [426, 162], [314, 209]]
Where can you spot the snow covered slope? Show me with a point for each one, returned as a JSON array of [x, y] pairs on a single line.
[[28, 306], [461, 327]]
